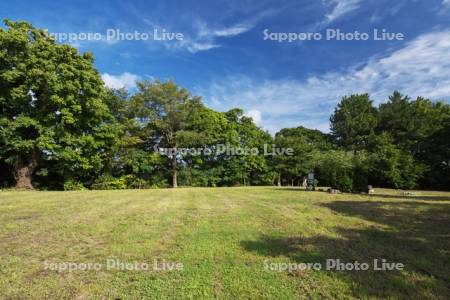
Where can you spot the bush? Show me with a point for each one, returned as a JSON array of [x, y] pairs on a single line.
[[73, 185], [344, 184], [108, 182]]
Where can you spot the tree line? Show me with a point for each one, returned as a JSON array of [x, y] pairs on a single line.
[[62, 129]]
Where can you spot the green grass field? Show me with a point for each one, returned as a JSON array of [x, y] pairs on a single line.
[[224, 237]]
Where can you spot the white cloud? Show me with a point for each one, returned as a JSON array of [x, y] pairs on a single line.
[[191, 45], [126, 80], [205, 38], [421, 68], [255, 115], [340, 8], [233, 30], [196, 47], [445, 7], [337, 9]]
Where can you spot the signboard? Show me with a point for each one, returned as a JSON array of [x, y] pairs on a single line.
[[310, 182]]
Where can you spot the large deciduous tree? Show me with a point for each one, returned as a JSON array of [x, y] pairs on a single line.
[[50, 104]]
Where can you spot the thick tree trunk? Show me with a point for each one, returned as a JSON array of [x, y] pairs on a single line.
[[24, 171], [279, 180], [174, 170]]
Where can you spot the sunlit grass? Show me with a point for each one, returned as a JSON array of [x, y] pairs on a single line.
[[223, 237]]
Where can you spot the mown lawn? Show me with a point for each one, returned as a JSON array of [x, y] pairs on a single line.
[[224, 237]]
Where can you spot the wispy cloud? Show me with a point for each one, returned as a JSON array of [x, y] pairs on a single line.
[[233, 30], [203, 37], [387, 11], [193, 46], [421, 68], [336, 10], [445, 6], [206, 36], [340, 8], [126, 80]]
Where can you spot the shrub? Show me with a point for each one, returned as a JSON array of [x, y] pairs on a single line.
[[107, 182], [73, 185], [344, 184]]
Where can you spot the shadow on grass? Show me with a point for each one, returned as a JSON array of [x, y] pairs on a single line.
[[415, 234], [435, 198], [290, 189], [404, 197]]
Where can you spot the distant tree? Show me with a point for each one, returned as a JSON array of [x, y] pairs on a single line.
[[417, 128], [395, 117], [305, 142], [410, 123], [392, 166], [247, 169], [204, 168], [129, 156], [353, 121], [51, 105], [437, 147], [166, 113], [427, 118], [231, 168], [335, 168]]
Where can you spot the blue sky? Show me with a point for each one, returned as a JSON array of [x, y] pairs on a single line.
[[224, 58]]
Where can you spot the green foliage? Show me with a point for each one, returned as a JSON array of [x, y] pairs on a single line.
[[51, 103], [246, 169], [72, 185], [390, 166], [166, 112], [344, 183], [333, 167], [437, 160], [108, 182], [395, 117], [305, 143], [401, 137], [353, 121]]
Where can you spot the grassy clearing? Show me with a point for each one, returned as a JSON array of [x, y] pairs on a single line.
[[223, 236]]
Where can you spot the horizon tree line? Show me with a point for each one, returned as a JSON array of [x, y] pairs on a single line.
[[62, 129]]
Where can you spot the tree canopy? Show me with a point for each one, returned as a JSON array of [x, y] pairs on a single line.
[[51, 106]]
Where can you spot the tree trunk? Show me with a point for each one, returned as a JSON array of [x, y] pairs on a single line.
[[24, 171], [174, 170], [279, 180]]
